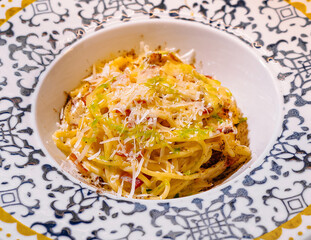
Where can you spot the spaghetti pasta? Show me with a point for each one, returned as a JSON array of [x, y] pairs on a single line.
[[152, 127]]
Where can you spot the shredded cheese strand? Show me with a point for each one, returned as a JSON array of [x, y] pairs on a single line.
[[152, 127]]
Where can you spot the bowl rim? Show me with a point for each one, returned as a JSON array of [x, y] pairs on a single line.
[[271, 68]]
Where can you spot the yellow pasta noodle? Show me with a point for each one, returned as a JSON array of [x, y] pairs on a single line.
[[152, 127]]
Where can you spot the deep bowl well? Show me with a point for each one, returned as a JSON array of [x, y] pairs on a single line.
[[222, 55]]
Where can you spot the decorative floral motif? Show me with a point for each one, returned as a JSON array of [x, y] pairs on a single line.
[[213, 222], [300, 64], [288, 200], [44, 10], [12, 138], [282, 16], [29, 49], [95, 13], [14, 199], [287, 148], [6, 30], [3, 82], [228, 12]]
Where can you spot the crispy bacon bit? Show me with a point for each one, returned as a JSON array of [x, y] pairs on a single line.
[[139, 101], [104, 110], [224, 113], [226, 130], [207, 110], [120, 154], [230, 161], [142, 102], [165, 123], [127, 178], [128, 148], [158, 59], [155, 58], [78, 164], [127, 112], [209, 76]]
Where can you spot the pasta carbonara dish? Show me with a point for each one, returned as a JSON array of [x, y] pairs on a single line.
[[152, 127]]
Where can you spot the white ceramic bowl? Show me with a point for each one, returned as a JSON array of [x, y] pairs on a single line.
[[223, 55]]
